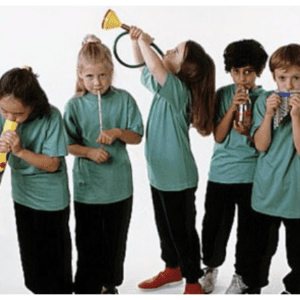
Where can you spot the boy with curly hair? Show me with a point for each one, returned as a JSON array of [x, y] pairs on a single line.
[[231, 170]]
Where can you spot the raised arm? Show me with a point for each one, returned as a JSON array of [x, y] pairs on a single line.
[[38, 160], [225, 124], [153, 62], [263, 135], [134, 35]]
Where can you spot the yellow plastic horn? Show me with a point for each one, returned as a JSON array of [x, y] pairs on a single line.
[[12, 126], [111, 21]]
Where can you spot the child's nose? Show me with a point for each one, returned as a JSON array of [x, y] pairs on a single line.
[[96, 81], [289, 85], [11, 117]]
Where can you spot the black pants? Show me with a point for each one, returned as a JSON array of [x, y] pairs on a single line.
[[266, 242], [175, 216], [45, 248], [221, 201], [101, 235]]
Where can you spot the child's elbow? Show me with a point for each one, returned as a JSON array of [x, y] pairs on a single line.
[[53, 166], [137, 139]]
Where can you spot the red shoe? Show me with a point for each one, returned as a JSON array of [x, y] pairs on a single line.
[[193, 288], [168, 276]]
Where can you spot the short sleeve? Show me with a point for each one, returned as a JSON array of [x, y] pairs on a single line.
[[54, 144], [71, 129], [149, 82], [174, 90], [134, 117], [259, 112], [220, 108]]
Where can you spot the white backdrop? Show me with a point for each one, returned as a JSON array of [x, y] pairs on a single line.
[[48, 39]]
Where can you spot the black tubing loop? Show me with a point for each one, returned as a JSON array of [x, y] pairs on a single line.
[[121, 61]]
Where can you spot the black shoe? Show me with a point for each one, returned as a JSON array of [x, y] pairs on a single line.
[[285, 293], [109, 290]]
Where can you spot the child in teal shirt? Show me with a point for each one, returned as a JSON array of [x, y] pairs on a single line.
[[39, 182], [276, 188], [102, 171], [183, 84], [231, 170]]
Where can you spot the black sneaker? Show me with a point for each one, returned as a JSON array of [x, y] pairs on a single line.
[[109, 290]]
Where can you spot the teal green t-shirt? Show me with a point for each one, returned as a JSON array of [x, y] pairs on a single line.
[[233, 160], [110, 181], [171, 165], [276, 186], [33, 187]]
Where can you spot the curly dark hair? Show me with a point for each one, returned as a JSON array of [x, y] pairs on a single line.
[[245, 53], [22, 83]]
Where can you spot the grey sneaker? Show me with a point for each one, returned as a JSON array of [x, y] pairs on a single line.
[[237, 286], [208, 280]]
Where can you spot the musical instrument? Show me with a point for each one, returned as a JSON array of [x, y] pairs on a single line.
[[284, 109], [12, 126], [244, 114], [111, 21]]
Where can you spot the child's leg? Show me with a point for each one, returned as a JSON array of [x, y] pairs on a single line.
[[89, 243], [292, 280], [180, 214], [116, 224], [169, 254], [217, 222], [45, 248], [266, 231], [246, 231]]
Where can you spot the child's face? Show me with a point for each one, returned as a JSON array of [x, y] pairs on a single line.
[[173, 59], [96, 78], [12, 109], [244, 76], [287, 79]]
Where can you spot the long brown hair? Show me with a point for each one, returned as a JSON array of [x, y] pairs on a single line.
[[198, 73]]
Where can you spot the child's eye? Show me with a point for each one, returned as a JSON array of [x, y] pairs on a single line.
[[281, 78]]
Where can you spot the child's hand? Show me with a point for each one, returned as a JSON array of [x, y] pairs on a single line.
[[240, 97], [273, 103], [294, 102], [14, 141], [108, 137], [4, 145], [98, 155], [240, 128], [146, 38], [135, 33]]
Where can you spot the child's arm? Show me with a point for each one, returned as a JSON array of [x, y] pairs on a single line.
[[108, 137], [98, 155], [152, 60], [295, 116], [38, 160], [225, 124], [134, 35], [263, 135]]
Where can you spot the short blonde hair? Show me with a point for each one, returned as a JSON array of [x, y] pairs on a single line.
[[285, 57], [92, 52]]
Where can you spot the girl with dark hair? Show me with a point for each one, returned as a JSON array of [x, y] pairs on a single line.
[[39, 182], [183, 83]]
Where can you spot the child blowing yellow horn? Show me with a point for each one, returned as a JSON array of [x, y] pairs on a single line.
[[12, 126]]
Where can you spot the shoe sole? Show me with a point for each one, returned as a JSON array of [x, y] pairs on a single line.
[[170, 284]]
